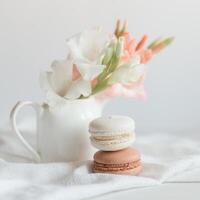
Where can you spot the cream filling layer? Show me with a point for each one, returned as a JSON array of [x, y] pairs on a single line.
[[125, 136], [116, 167]]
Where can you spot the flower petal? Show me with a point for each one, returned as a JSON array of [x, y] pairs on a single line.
[[136, 72], [136, 60], [57, 81], [89, 46], [132, 90], [61, 76], [92, 43], [52, 98], [127, 73], [78, 88], [89, 71]]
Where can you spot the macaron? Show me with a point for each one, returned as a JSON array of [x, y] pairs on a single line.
[[125, 162], [112, 133]]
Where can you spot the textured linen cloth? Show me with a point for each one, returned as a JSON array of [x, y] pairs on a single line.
[[163, 157]]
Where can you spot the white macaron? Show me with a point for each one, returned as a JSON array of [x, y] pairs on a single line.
[[112, 133]]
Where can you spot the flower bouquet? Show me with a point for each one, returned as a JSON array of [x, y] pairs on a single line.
[[101, 64], [98, 66]]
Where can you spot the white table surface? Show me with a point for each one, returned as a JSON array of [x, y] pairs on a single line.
[[186, 187], [168, 191]]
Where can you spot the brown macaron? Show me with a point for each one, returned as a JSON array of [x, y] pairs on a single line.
[[126, 162]]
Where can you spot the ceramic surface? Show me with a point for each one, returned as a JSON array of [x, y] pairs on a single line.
[[62, 130]]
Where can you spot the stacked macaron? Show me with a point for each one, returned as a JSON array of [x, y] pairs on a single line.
[[113, 136]]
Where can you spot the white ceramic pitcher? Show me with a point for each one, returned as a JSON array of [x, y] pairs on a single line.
[[62, 131]]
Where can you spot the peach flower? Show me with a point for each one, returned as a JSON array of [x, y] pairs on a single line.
[[145, 56], [131, 90], [131, 49]]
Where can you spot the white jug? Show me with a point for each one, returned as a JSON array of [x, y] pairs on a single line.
[[62, 130]]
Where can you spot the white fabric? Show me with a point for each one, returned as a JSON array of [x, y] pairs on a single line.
[[163, 156]]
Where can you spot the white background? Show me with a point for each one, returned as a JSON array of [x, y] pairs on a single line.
[[33, 33]]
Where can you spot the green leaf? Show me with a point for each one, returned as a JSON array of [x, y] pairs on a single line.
[[168, 41], [154, 43]]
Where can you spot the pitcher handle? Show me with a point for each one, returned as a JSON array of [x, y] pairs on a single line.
[[13, 115]]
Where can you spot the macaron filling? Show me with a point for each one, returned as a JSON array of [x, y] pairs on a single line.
[[112, 140], [112, 137], [115, 167], [112, 143]]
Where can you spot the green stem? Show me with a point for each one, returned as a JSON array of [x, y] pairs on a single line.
[[102, 82], [100, 87]]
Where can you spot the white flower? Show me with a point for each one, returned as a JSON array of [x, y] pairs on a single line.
[[87, 51], [129, 72], [59, 84], [59, 79], [78, 88]]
